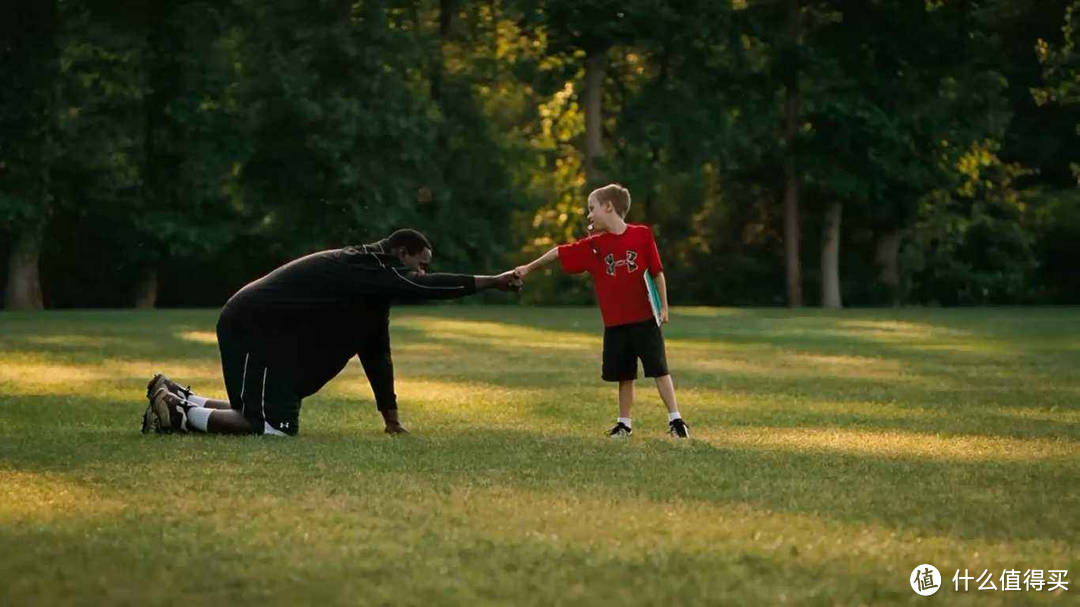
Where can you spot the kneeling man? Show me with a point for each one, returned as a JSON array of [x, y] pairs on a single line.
[[283, 336]]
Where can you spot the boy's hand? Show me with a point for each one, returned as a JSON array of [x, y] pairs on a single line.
[[509, 281], [663, 315]]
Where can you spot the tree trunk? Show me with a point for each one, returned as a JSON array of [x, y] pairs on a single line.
[[438, 73], [595, 65], [888, 262], [158, 179], [23, 290], [791, 233], [146, 292], [830, 258], [793, 273]]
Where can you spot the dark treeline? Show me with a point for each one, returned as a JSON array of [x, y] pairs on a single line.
[[798, 152]]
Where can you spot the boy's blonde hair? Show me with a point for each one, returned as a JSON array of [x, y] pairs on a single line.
[[618, 196]]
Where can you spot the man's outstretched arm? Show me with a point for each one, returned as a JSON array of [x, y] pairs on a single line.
[[396, 283]]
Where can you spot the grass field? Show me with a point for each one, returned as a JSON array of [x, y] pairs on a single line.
[[832, 453]]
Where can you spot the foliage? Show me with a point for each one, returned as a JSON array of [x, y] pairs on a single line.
[[1061, 70], [147, 142], [211, 141], [29, 67], [1056, 230], [970, 244]]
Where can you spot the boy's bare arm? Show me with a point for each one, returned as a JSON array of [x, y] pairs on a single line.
[[661, 286], [523, 270]]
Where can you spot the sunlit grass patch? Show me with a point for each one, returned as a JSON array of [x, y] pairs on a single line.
[[899, 330], [499, 334], [69, 340], [199, 337], [903, 444], [36, 375], [40, 497], [799, 365]]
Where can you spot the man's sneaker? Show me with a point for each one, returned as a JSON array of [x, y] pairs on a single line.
[[620, 430], [170, 411], [162, 381], [679, 429], [149, 420]]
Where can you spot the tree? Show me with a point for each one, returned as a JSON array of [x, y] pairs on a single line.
[[147, 143], [341, 128], [1057, 212], [589, 30], [193, 139], [1061, 71], [793, 273], [469, 77], [970, 244], [30, 61], [875, 133]]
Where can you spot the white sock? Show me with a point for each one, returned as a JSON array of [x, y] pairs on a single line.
[[198, 401], [625, 421], [674, 415], [198, 417]]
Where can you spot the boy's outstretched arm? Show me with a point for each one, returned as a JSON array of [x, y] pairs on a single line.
[[661, 286], [524, 270]]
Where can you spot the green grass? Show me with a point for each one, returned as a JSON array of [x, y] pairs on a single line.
[[833, 452]]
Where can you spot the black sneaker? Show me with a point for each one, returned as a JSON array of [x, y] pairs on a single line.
[[161, 381], [150, 421], [678, 428], [620, 430], [169, 411]]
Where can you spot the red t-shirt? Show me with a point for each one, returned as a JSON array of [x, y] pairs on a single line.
[[616, 263]]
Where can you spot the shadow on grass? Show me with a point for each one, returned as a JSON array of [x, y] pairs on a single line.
[[119, 558], [128, 335]]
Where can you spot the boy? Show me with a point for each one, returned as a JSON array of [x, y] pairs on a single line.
[[616, 257]]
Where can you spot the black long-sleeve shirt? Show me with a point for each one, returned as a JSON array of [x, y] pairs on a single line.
[[310, 316]]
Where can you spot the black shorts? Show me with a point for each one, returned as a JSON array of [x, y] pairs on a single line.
[[266, 396], [625, 344]]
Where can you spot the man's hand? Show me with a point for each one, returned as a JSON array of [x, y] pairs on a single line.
[[521, 271], [663, 315], [507, 281]]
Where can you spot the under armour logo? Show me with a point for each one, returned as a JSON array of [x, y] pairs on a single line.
[[630, 262]]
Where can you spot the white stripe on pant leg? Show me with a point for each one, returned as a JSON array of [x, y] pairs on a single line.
[[243, 384], [263, 405], [267, 428]]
